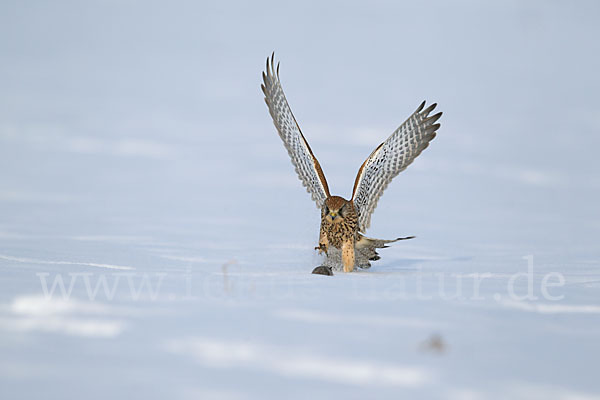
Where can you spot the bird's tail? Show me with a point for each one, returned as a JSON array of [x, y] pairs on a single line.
[[366, 249]]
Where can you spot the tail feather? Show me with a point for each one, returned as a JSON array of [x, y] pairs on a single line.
[[364, 252], [364, 241], [366, 249]]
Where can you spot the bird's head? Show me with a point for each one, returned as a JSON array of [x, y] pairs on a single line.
[[335, 209]]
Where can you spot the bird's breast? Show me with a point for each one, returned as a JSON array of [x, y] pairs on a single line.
[[339, 232]]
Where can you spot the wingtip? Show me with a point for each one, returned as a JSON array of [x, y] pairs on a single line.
[[433, 118], [430, 109], [272, 62], [269, 64]]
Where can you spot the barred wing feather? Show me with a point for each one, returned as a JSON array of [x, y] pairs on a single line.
[[390, 158], [307, 167]]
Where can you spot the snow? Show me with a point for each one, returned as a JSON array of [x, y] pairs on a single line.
[[156, 243]]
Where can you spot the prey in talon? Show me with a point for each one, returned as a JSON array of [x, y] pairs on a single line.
[[343, 222]]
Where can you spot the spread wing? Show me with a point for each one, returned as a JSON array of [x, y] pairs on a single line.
[[307, 167], [390, 158]]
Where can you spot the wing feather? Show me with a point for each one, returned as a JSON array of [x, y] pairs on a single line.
[[390, 158], [306, 164]]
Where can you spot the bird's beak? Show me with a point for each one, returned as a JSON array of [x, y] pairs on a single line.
[[333, 215]]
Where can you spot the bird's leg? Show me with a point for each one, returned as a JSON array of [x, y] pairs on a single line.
[[323, 242], [348, 255], [322, 247]]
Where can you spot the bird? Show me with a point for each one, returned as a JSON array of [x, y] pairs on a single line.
[[344, 222]]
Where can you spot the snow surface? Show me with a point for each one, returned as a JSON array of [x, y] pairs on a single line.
[[140, 169]]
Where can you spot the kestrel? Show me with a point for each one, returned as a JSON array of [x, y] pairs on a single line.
[[343, 222]]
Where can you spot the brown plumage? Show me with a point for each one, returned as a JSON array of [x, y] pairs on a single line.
[[339, 228], [342, 221]]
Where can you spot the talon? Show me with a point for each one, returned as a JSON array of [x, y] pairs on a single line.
[[322, 248]]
